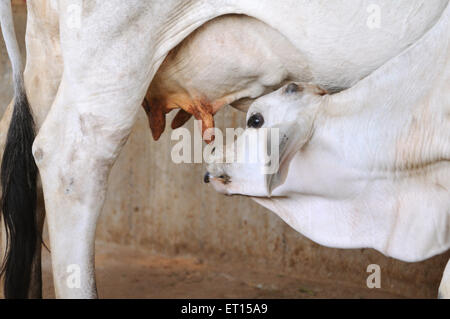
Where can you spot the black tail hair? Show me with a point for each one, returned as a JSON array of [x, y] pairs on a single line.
[[18, 201]]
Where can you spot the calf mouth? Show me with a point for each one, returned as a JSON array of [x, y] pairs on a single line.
[[222, 178]]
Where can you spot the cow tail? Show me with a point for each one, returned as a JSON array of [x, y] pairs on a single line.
[[18, 176]]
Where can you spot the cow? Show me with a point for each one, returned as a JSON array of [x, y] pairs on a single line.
[[89, 66], [368, 167]]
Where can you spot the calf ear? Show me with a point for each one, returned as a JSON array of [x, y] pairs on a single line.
[[291, 138]]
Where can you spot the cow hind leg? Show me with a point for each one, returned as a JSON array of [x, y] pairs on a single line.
[[74, 151], [90, 119]]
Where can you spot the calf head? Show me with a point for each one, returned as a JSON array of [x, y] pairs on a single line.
[[278, 126]]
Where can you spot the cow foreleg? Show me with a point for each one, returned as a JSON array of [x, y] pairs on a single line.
[[444, 287]]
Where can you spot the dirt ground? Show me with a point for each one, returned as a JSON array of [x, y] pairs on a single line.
[[124, 272]]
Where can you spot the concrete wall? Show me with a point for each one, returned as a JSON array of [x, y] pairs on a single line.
[[163, 207]]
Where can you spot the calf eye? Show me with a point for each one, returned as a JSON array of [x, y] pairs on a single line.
[[255, 121]]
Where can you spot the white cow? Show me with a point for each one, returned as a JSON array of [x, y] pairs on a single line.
[[106, 55], [366, 167]]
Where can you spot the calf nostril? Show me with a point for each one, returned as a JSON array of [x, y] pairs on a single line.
[[206, 177]]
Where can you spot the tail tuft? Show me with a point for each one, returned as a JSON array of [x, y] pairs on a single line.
[[18, 201]]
